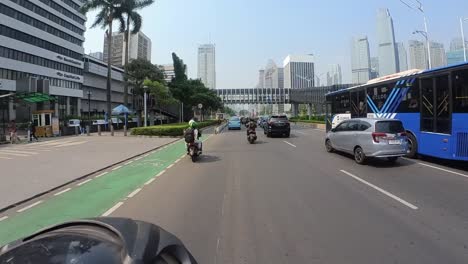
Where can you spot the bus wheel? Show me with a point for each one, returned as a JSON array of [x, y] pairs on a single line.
[[412, 147]]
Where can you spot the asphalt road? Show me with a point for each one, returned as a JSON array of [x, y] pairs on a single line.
[[288, 201]]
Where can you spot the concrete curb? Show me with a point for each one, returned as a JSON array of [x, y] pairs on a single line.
[[220, 128], [312, 125]]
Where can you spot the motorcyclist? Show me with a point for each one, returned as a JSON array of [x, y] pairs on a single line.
[[193, 125], [251, 126]]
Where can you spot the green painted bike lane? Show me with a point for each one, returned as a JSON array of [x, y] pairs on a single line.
[[92, 198]]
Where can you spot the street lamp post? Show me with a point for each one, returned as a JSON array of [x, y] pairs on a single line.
[[145, 88], [421, 9], [89, 106], [424, 34], [463, 36]]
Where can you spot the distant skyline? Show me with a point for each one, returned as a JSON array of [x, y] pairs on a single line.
[[245, 38]]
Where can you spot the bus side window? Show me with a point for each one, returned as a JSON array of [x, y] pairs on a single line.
[[460, 91], [410, 103]]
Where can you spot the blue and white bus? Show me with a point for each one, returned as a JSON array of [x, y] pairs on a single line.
[[432, 104]]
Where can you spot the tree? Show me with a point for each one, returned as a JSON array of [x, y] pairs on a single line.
[[129, 8], [160, 93], [139, 70], [229, 111], [107, 14]]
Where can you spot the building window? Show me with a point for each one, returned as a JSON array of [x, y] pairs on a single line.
[[14, 75]]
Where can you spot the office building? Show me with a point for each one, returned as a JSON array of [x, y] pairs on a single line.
[[374, 62], [95, 81], [334, 75], [360, 60], [455, 57], [261, 79], [207, 65], [41, 51], [457, 44], [168, 71], [402, 57], [388, 60], [98, 55], [273, 76], [417, 55], [139, 48], [299, 71], [438, 56]]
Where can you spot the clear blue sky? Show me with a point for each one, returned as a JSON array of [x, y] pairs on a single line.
[[249, 32]]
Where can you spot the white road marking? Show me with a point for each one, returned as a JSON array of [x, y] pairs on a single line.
[[300, 132], [70, 144], [115, 207], [217, 245], [28, 207], [81, 183], [149, 182], [289, 143], [128, 162], [170, 166], [116, 168], [13, 154], [183, 156], [102, 174], [381, 190], [3, 218], [152, 152], [19, 151], [5, 158], [63, 191], [177, 160], [160, 173], [134, 193], [146, 155], [442, 169], [139, 158]]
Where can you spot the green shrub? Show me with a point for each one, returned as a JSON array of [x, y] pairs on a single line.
[[170, 130]]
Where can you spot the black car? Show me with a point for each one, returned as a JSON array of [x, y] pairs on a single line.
[[277, 125]]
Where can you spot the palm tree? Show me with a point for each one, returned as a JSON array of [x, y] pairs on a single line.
[[109, 11], [129, 8]]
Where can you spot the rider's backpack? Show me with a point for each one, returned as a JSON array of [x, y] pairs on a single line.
[[189, 135]]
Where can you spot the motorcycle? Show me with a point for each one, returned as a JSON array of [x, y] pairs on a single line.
[[251, 136], [194, 151]]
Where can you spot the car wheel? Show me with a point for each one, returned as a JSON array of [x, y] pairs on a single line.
[[328, 146], [392, 159], [412, 147], [359, 156]]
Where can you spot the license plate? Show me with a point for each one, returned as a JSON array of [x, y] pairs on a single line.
[[394, 142]]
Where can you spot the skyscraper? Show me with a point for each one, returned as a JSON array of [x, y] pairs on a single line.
[[299, 71], [207, 65], [438, 56], [334, 74], [374, 65], [388, 62], [417, 55], [402, 57], [456, 55], [457, 44], [139, 48], [360, 60], [98, 55], [273, 76], [261, 79]]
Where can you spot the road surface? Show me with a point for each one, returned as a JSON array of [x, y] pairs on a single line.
[[282, 200]]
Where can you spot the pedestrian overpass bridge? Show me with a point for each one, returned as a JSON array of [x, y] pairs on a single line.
[[284, 98]]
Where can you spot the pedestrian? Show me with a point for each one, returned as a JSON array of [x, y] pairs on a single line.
[[33, 132], [13, 132]]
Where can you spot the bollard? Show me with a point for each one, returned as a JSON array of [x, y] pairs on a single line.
[[125, 131], [88, 128], [112, 130], [76, 131], [99, 130]]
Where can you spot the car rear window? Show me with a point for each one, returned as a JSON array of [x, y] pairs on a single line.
[[389, 127], [234, 119], [278, 118]]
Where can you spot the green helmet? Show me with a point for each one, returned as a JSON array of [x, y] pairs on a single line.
[[192, 124]]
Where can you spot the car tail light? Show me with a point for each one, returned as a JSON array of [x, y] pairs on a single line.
[[378, 136]]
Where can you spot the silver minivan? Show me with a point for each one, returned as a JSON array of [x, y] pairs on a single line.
[[369, 138]]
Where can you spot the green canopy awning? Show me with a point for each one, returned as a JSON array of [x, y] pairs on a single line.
[[35, 97]]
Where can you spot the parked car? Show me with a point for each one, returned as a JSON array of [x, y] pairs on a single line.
[[234, 123], [73, 123], [277, 125], [369, 138]]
